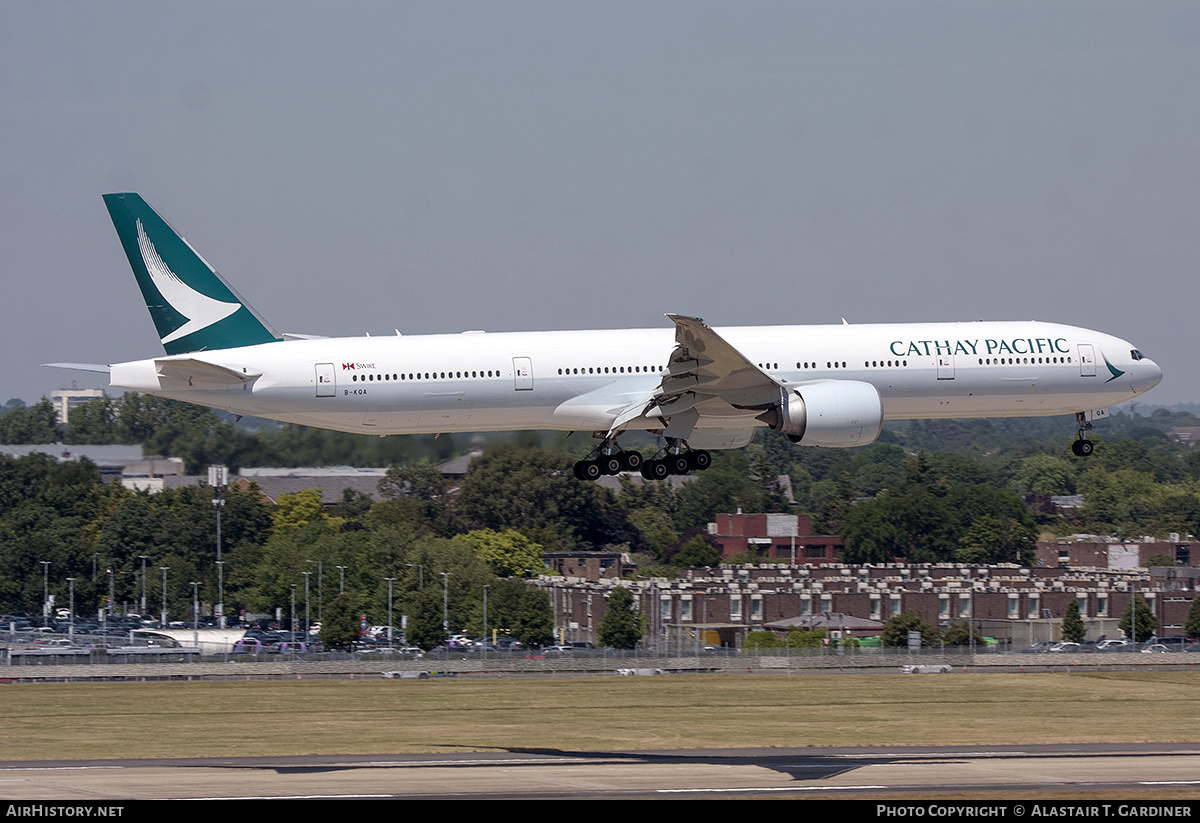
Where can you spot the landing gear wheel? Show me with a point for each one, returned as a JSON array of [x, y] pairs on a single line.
[[631, 461], [1082, 448], [588, 470], [678, 463], [655, 470], [699, 460], [610, 464]]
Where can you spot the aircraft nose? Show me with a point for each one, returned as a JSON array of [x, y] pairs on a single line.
[[1154, 374]]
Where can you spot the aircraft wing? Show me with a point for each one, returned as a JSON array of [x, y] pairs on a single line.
[[706, 377]]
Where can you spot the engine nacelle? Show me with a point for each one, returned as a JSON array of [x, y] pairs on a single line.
[[836, 413]]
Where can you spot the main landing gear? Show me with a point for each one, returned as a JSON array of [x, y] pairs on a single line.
[[677, 458], [1082, 447], [610, 459]]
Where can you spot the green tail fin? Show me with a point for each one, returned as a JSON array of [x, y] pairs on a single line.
[[192, 306]]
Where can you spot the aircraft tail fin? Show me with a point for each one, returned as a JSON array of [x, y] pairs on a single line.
[[192, 306]]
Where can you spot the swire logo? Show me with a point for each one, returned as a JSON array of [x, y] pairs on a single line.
[[357, 366]]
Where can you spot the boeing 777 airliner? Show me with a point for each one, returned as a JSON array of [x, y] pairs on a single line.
[[698, 387]]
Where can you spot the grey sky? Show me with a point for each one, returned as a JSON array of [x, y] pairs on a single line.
[[437, 166]]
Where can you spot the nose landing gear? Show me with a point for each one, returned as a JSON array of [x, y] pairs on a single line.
[[1082, 447]]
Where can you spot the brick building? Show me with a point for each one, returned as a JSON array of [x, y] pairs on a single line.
[[1067, 553], [782, 537], [1017, 605]]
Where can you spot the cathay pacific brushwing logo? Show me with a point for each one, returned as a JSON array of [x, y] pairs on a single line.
[[1113, 370], [200, 310]]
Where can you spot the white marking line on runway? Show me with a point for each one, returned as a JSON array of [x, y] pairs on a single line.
[[54, 768], [918, 755], [1168, 782], [772, 789], [297, 797], [504, 762]]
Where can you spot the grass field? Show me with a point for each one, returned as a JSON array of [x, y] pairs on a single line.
[[200, 719]]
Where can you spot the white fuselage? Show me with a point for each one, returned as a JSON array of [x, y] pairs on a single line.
[[580, 380]]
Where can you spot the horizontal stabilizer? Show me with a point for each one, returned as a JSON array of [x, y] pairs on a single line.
[[198, 374], [95, 367]]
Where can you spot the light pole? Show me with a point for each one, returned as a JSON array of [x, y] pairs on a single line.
[[195, 614], [320, 574], [971, 624], [221, 584], [485, 630], [446, 606], [71, 609], [163, 620], [420, 574], [108, 607], [142, 608], [342, 582], [307, 618], [218, 476], [1133, 615], [389, 580], [45, 587]]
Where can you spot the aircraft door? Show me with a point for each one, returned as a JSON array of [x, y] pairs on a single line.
[[945, 366], [522, 374], [1087, 360], [326, 386]]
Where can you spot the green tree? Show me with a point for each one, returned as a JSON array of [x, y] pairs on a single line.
[[535, 618], [1191, 624], [729, 484], [621, 626], [93, 422], [425, 618], [508, 553], [914, 521], [834, 506], [1138, 622], [297, 509], [895, 630], [802, 639], [340, 622], [656, 527], [1072, 625], [419, 494], [759, 640], [961, 634], [695, 553], [35, 424], [1045, 474], [535, 491], [997, 540]]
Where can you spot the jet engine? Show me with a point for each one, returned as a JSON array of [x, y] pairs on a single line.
[[836, 413]]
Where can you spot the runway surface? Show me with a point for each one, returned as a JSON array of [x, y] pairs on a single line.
[[561, 775]]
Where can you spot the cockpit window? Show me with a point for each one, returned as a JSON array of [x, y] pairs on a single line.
[[1136, 355]]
